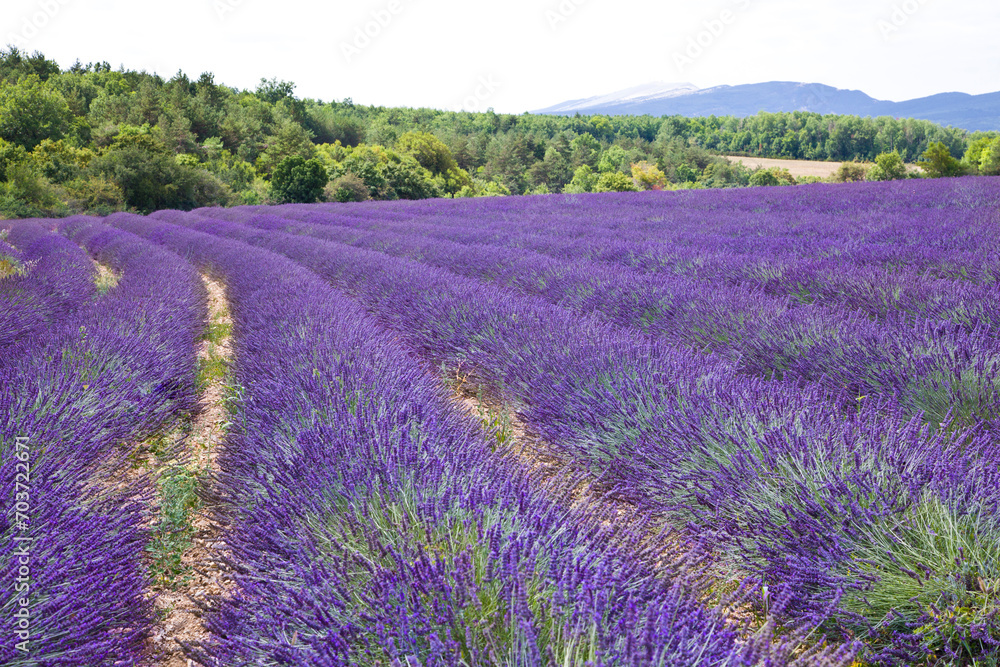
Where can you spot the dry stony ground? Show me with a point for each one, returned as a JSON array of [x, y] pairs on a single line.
[[797, 168], [178, 604]]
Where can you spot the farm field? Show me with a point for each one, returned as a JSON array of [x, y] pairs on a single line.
[[797, 168], [737, 427]]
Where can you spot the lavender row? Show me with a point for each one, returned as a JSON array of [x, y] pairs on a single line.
[[374, 525], [764, 468], [112, 372], [50, 278], [875, 248], [929, 367]]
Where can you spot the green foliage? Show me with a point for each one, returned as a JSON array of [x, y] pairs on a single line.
[[851, 172], [771, 176], [290, 140], [26, 185], [273, 91], [584, 180], [95, 195], [434, 156], [937, 162], [387, 174], [480, 188], [551, 171], [931, 565], [614, 182], [10, 155], [297, 180], [347, 188], [648, 176], [151, 179], [764, 177], [59, 162], [430, 152], [15, 64], [888, 167], [173, 531], [32, 110], [80, 129], [974, 153], [989, 159]]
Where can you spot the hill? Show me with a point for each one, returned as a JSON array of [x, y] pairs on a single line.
[[969, 112]]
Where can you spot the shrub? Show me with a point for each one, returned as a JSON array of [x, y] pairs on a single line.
[[347, 188], [151, 179], [851, 172], [647, 176], [615, 181], [297, 180], [95, 195], [888, 167], [937, 162]]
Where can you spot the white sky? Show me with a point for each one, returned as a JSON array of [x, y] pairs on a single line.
[[520, 55]]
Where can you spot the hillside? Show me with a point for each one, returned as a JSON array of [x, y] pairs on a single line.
[[969, 112]]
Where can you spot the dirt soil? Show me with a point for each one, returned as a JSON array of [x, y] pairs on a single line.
[[797, 168], [180, 607]]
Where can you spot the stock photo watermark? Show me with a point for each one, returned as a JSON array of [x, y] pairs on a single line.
[[33, 24], [223, 7], [559, 14], [899, 17], [22, 545], [479, 95], [712, 30], [365, 34]]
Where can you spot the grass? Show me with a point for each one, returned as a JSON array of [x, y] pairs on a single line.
[[173, 532], [178, 483], [496, 422], [106, 279], [937, 571]]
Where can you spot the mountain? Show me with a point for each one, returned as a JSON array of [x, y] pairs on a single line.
[[971, 112]]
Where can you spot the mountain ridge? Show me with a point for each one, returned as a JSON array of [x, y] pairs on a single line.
[[962, 110]]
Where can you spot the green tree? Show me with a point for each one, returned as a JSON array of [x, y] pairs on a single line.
[[151, 179], [763, 177], [989, 159], [297, 180], [480, 188], [347, 188], [974, 153], [15, 64], [888, 167], [26, 193], [290, 140], [10, 155], [850, 172], [31, 111], [584, 180], [434, 155], [937, 162], [273, 91], [647, 176], [430, 152], [614, 181]]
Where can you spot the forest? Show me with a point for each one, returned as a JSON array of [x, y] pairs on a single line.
[[93, 139]]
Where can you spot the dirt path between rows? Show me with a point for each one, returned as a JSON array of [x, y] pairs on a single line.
[[180, 604], [662, 546]]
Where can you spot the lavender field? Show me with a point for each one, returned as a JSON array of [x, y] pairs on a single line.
[[740, 427]]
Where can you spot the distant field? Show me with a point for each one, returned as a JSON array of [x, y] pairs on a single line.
[[798, 168]]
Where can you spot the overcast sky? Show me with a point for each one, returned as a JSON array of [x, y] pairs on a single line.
[[520, 55]]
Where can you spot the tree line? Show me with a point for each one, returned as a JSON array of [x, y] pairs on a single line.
[[95, 139]]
